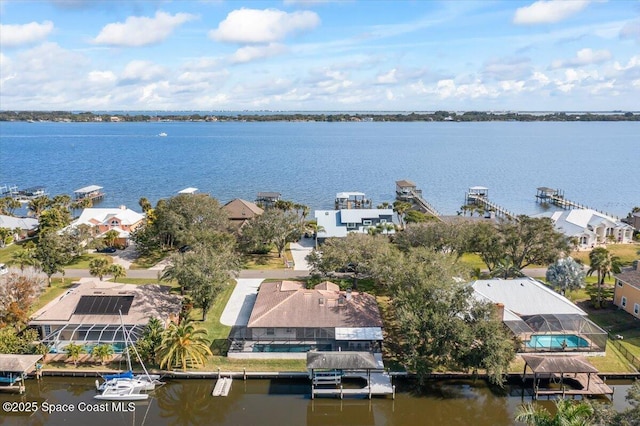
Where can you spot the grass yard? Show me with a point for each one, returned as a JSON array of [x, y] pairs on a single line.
[[269, 261], [7, 252], [145, 262], [626, 252]]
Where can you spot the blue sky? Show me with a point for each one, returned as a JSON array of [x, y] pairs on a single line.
[[315, 55]]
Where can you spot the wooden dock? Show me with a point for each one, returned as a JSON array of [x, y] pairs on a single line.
[[590, 386], [556, 197], [222, 387], [407, 191], [479, 196]]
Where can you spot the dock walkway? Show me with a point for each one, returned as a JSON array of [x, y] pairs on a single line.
[[378, 384], [593, 386]]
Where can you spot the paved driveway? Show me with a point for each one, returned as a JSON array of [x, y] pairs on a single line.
[[240, 304], [299, 251]]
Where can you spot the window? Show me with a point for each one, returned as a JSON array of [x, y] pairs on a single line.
[[366, 222], [271, 332], [289, 330], [383, 220], [636, 308], [351, 225], [624, 302], [619, 283]]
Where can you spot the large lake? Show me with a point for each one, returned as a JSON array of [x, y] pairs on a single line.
[[278, 403], [595, 163]]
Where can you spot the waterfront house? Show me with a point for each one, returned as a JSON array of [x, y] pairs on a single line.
[[102, 220], [627, 290], [540, 318], [634, 220], [22, 227], [240, 211], [288, 317], [589, 227], [338, 223], [89, 314]]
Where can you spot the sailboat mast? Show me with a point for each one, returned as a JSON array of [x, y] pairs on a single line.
[[126, 341]]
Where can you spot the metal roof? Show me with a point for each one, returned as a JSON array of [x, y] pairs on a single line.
[[189, 190], [342, 360], [349, 194], [86, 189], [525, 296]]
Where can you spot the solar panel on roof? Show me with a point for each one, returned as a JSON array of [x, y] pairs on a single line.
[[103, 305]]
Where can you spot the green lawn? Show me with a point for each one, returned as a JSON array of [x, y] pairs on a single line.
[[7, 252], [626, 252], [269, 261]]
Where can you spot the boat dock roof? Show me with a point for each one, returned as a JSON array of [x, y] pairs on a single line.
[[87, 189]]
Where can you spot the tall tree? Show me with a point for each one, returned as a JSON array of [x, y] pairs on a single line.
[[38, 205], [74, 351], [99, 267], [54, 219], [149, 343], [401, 207], [52, 253], [441, 324], [443, 237], [566, 274], [274, 226], [117, 271], [110, 237], [102, 353], [9, 205], [184, 345], [603, 263], [24, 257], [17, 293], [356, 254], [526, 241], [203, 272]]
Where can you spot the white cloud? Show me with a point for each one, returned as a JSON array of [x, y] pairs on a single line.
[[17, 35], [101, 77], [387, 78], [137, 71], [634, 62], [631, 30], [583, 57], [250, 53], [548, 11], [141, 31], [263, 26]]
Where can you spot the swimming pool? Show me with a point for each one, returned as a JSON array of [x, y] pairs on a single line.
[[557, 341]]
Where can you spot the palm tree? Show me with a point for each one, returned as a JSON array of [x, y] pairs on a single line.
[[110, 238], [74, 351], [117, 271], [37, 205], [99, 267], [184, 345], [401, 207], [603, 263], [568, 413], [102, 353], [24, 257]]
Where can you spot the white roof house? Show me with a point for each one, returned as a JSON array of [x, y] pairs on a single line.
[[338, 223], [120, 219], [590, 227], [540, 317], [24, 223]]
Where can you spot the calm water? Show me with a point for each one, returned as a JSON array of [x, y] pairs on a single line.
[[282, 402], [594, 163]]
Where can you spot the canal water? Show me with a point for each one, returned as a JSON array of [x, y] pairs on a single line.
[[69, 401]]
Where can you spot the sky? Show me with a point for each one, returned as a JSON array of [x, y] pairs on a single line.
[[315, 55]]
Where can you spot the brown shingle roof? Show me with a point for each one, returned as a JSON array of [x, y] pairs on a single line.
[[559, 364], [239, 209], [343, 360], [12, 363], [631, 277], [289, 304]]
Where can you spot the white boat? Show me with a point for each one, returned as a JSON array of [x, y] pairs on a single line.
[[162, 134], [121, 391], [139, 383]]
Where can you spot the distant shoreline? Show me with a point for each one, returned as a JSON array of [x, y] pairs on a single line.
[[262, 116]]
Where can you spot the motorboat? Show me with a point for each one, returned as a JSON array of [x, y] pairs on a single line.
[[162, 134], [139, 383]]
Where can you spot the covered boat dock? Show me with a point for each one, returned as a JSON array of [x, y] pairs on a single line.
[[13, 370], [566, 375], [327, 370]]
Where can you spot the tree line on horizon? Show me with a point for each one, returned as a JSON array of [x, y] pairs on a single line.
[[319, 116]]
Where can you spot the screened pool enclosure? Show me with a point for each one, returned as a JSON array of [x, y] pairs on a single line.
[[558, 333]]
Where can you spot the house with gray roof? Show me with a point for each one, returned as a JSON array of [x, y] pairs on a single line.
[[23, 226], [540, 318], [590, 227], [288, 317], [338, 223]]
